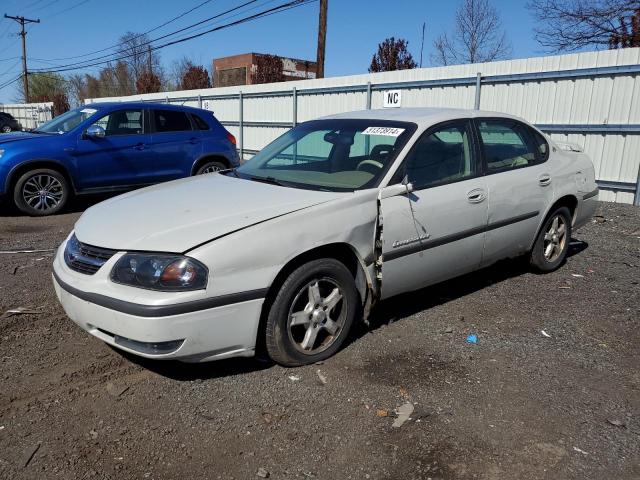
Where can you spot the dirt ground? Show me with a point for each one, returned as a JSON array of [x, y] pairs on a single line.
[[516, 405]]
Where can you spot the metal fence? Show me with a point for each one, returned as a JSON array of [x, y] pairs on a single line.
[[591, 99], [30, 115]]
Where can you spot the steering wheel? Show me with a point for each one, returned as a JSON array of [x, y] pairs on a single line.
[[369, 163]]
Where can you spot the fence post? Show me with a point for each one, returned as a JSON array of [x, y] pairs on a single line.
[[636, 198], [199, 101], [478, 88], [368, 95], [295, 106], [240, 129]]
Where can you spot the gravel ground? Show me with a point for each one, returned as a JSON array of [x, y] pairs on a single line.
[[516, 405]]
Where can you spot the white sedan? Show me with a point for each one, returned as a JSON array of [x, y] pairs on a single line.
[[286, 252]]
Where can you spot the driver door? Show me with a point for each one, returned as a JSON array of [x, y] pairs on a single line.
[[437, 230]]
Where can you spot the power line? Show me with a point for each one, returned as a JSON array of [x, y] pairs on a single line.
[[79, 4], [139, 35], [143, 44]]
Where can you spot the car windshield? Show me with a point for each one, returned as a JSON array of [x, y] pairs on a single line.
[[67, 121], [336, 155]]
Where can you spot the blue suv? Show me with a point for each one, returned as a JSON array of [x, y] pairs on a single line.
[[107, 147]]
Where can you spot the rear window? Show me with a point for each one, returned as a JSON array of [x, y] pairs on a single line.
[[200, 123], [171, 121]]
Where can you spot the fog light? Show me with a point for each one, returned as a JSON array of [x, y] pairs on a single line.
[[157, 348]]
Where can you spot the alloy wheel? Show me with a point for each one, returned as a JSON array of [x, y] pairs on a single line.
[[42, 192], [316, 317], [6, 129], [211, 169], [555, 238]]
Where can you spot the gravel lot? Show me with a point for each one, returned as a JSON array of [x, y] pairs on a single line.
[[516, 405]]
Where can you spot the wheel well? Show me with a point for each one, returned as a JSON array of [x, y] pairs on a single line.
[[209, 158], [338, 251], [568, 201], [22, 169]]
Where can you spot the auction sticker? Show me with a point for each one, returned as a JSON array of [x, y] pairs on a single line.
[[386, 131]]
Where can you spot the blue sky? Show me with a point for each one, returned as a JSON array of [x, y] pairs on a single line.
[[355, 27]]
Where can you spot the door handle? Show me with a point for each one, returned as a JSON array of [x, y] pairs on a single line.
[[476, 195], [544, 179], [194, 141], [139, 146]]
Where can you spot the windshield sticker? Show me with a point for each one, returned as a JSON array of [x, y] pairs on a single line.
[[90, 111], [386, 131]]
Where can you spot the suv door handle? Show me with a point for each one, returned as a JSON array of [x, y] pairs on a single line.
[[139, 146], [476, 195], [544, 179], [194, 141]]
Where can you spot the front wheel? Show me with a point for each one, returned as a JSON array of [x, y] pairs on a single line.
[[6, 129], [312, 313], [41, 192], [552, 244]]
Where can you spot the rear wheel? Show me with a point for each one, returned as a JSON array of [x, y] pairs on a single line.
[[41, 192], [312, 314], [6, 129], [210, 167], [552, 244]]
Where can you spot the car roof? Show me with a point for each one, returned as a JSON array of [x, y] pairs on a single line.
[[164, 106], [419, 116]]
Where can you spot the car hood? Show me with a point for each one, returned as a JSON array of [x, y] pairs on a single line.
[[179, 215], [21, 136]]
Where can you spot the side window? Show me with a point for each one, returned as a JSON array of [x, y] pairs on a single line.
[[507, 145], [122, 122], [442, 155], [200, 123], [171, 121], [542, 146]]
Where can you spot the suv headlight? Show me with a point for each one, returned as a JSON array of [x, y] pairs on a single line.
[[163, 272]]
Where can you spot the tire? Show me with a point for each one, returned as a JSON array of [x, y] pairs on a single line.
[[552, 244], [330, 316], [41, 192], [210, 167], [6, 129]]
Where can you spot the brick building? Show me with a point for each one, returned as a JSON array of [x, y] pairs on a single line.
[[240, 69]]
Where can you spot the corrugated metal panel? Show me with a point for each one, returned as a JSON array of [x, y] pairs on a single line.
[[545, 91]]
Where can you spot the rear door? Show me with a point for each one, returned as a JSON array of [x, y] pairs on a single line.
[[176, 145], [122, 157], [437, 231], [519, 182]]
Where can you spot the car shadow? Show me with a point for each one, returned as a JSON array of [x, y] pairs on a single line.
[[386, 312]]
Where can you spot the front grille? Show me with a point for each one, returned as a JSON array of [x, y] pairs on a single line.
[[85, 258]]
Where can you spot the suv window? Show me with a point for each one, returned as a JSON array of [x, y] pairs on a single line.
[[507, 145], [442, 155], [122, 122], [200, 123], [171, 121]]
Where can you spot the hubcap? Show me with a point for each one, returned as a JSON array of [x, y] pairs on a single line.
[[42, 192], [316, 317], [6, 129], [555, 238], [211, 169]]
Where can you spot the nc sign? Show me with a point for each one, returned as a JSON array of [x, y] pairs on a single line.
[[392, 98]]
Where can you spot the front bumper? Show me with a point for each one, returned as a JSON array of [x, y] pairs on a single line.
[[228, 330]]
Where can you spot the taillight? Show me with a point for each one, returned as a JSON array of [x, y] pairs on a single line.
[[231, 138]]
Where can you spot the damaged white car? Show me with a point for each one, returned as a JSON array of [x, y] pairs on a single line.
[[290, 249]]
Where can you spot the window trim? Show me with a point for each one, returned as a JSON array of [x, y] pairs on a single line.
[[401, 172], [527, 128], [144, 123], [152, 121]]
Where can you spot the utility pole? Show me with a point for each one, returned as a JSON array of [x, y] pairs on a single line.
[[25, 80], [149, 66], [424, 24], [322, 38]]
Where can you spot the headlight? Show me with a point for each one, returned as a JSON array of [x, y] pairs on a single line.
[[162, 272]]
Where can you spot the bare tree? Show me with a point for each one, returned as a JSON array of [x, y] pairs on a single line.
[[177, 69], [139, 57], [478, 36], [392, 54], [566, 25]]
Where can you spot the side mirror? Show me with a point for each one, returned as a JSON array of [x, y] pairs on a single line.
[[95, 131], [398, 189]]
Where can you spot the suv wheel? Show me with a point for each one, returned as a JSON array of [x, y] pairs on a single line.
[[210, 167], [312, 314], [552, 244], [41, 192], [6, 129]]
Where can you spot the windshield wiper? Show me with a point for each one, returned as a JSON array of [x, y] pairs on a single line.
[[269, 180]]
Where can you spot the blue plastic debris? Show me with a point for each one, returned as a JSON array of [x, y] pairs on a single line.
[[472, 338]]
